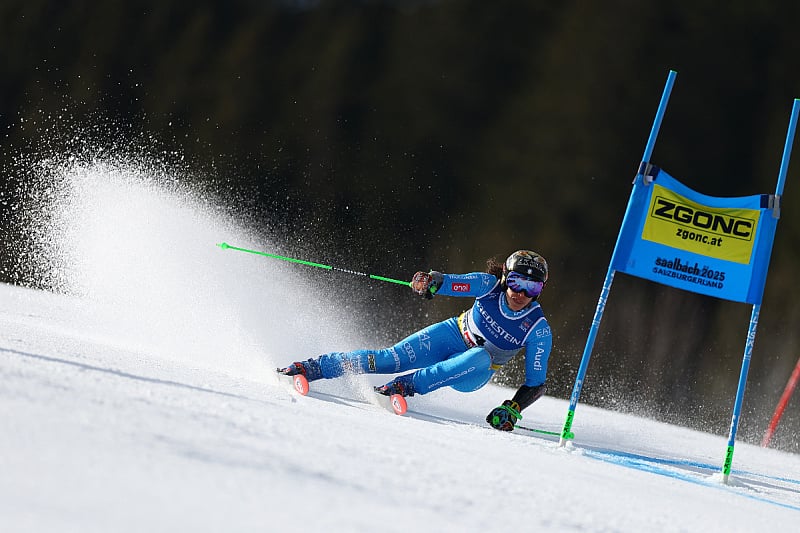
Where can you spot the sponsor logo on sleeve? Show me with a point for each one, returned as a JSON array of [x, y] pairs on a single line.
[[460, 287], [537, 361]]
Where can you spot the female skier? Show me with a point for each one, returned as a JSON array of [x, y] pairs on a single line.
[[463, 352]]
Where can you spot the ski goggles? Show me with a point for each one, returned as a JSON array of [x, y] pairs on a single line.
[[519, 283]]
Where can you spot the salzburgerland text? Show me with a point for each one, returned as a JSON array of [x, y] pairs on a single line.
[[677, 269]]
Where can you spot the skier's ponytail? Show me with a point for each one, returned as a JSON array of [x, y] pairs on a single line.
[[494, 268]]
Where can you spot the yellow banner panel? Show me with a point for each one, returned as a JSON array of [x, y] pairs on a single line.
[[726, 234]]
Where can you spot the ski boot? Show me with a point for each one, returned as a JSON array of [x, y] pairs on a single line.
[[403, 386], [300, 373]]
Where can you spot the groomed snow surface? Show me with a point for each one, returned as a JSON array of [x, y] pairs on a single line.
[[148, 402], [101, 435]]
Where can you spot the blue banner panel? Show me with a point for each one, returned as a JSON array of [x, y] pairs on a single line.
[[678, 237]]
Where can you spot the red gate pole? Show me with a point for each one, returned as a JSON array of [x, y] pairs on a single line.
[[787, 394]]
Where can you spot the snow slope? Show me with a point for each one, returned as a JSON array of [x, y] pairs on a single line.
[[146, 401]]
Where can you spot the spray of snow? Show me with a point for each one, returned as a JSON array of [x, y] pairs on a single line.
[[128, 235]]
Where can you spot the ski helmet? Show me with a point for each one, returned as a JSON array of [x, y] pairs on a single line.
[[527, 263]]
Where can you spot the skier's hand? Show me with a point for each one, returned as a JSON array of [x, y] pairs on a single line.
[[421, 282], [426, 284], [504, 416]]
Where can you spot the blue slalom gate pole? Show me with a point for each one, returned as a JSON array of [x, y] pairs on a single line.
[[751, 331], [566, 432], [737, 406], [787, 147], [662, 108]]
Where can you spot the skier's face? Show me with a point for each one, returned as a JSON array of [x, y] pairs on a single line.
[[517, 300]]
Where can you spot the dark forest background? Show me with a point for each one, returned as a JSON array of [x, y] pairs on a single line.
[[390, 137]]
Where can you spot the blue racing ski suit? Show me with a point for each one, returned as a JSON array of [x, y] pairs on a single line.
[[462, 352]]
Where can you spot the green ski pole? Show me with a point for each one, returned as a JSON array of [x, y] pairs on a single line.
[[534, 430], [226, 246]]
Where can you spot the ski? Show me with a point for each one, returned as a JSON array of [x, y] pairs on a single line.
[[299, 384], [394, 403]]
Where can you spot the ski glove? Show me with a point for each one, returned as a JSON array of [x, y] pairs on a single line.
[[426, 283], [505, 416]]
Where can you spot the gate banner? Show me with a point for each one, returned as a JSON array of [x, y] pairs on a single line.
[[678, 237]]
